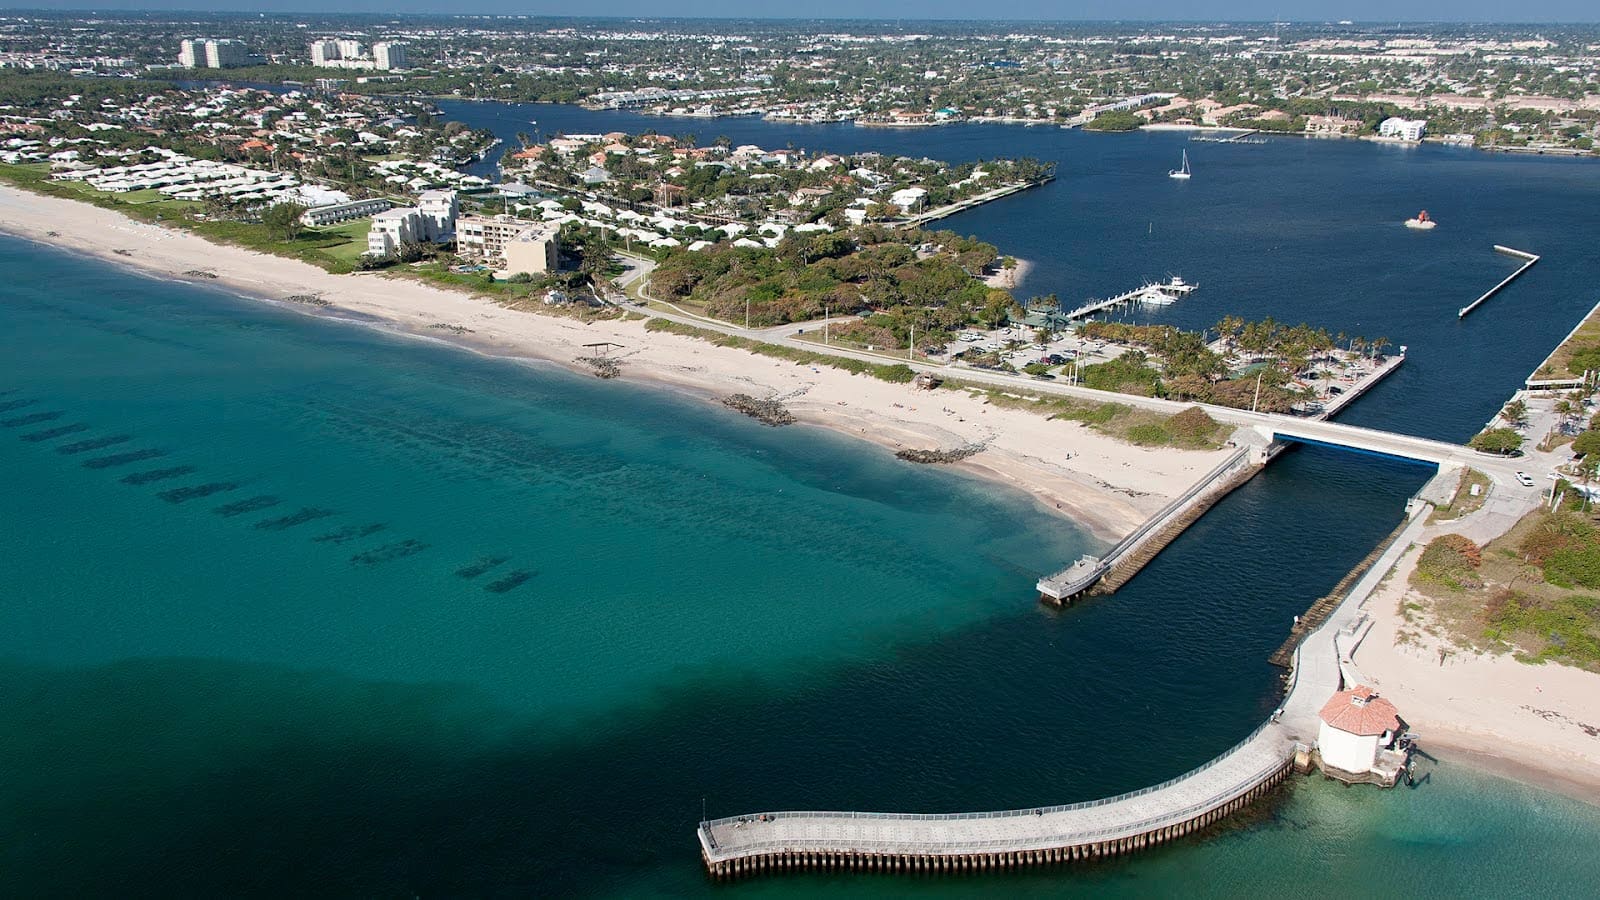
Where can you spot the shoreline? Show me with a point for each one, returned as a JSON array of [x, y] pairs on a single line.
[[1535, 724], [1008, 279], [1106, 490], [1106, 493]]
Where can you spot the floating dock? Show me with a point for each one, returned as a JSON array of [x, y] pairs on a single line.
[[1519, 254], [1245, 137]]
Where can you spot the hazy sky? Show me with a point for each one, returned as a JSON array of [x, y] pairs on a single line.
[[1238, 10]]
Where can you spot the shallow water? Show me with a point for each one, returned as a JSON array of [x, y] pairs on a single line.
[[295, 650]]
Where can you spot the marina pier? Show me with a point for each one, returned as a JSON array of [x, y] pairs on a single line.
[[1159, 293]]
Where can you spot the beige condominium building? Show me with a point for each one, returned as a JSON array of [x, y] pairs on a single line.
[[509, 244]]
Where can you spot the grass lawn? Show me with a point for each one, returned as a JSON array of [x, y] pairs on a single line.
[[1586, 335], [353, 238]]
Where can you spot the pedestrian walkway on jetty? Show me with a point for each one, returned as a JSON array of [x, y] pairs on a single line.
[[792, 841], [1057, 589]]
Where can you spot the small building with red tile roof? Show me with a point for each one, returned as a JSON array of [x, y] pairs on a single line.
[[1357, 735]]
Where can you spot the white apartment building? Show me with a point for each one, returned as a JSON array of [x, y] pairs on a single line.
[[1402, 129], [509, 244], [439, 210], [394, 228], [324, 52], [211, 53], [432, 219], [344, 53], [388, 56], [334, 213]]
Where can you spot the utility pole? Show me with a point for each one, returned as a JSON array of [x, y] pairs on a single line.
[[747, 314], [1254, 403], [911, 349], [824, 325]]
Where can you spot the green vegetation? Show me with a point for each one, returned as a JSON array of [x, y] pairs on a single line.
[[1450, 561], [1504, 441], [1115, 120], [1181, 366], [1528, 592], [1190, 429], [869, 268], [282, 220], [1567, 627], [1463, 503], [1129, 373]]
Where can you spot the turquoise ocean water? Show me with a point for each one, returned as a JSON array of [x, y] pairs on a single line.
[[291, 605]]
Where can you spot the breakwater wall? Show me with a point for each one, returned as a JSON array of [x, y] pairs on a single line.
[[1529, 260]]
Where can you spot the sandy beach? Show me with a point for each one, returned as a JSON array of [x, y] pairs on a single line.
[[1006, 279], [1103, 484], [1539, 724]]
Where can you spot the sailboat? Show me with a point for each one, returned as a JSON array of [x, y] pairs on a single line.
[[1183, 172]]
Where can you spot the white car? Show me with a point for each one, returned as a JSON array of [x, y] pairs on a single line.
[[1524, 480]]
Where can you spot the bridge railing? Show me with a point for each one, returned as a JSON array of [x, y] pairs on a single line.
[[1278, 425], [1236, 788], [998, 814], [1162, 515]]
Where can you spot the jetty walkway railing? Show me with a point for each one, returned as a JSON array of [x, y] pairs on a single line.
[[1074, 580], [1096, 827], [1222, 470]]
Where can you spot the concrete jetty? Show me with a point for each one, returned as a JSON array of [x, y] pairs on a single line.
[[1529, 258], [960, 842], [1084, 574]]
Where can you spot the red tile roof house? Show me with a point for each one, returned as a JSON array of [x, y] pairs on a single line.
[[1358, 740]]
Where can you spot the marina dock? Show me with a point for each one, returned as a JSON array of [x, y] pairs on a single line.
[[1520, 254], [1340, 401], [951, 209], [1160, 293], [1244, 137]]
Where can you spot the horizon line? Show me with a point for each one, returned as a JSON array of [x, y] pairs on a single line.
[[896, 20]]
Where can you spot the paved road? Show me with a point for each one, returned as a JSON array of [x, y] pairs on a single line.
[[1426, 450]]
